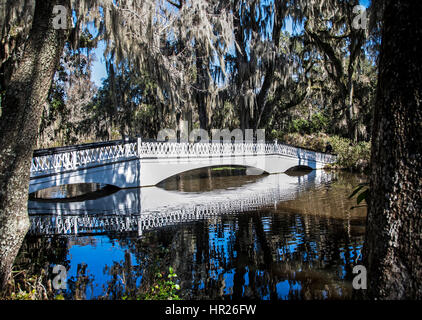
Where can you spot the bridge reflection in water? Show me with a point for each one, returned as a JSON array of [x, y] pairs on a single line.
[[142, 209], [304, 248]]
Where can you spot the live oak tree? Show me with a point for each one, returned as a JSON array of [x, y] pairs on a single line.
[[64, 115], [341, 45], [265, 65], [135, 31], [393, 247], [26, 81]]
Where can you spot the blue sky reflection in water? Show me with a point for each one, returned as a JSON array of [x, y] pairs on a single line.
[[302, 247]]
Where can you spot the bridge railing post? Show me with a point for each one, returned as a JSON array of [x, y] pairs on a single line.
[[74, 159], [139, 146], [126, 149]]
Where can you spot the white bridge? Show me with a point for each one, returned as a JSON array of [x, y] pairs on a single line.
[[137, 163]]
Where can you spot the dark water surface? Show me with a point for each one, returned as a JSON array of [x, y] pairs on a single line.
[[300, 244]]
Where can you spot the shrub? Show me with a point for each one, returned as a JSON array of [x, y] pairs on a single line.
[[25, 286], [354, 157], [315, 142], [164, 288], [351, 156]]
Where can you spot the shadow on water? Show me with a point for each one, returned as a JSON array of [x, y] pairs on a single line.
[[73, 192], [303, 247], [298, 171]]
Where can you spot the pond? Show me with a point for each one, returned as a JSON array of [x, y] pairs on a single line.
[[226, 233]]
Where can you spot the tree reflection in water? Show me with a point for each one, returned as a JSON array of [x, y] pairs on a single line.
[[300, 249]]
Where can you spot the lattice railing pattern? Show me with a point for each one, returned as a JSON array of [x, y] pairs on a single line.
[[173, 149], [81, 224], [207, 211], [99, 223], [82, 158]]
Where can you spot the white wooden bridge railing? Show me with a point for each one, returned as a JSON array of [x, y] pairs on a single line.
[[64, 159], [170, 149], [72, 158]]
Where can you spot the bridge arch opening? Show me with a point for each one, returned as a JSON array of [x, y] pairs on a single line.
[[299, 170], [212, 178], [73, 192]]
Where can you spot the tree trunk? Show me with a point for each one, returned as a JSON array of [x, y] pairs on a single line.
[[393, 248], [22, 108], [262, 98], [241, 66], [202, 85]]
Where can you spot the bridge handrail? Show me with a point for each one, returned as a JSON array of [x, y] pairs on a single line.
[[92, 145], [79, 147]]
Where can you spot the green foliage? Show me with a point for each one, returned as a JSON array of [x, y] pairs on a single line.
[[164, 287], [23, 286], [362, 192], [126, 104], [317, 123], [227, 168], [316, 141], [349, 155], [23, 295]]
